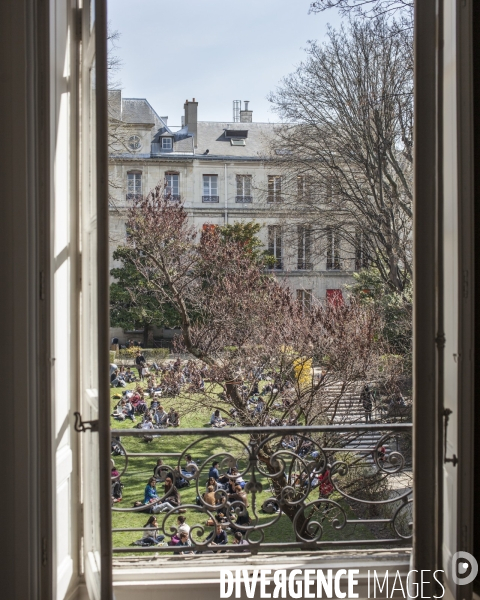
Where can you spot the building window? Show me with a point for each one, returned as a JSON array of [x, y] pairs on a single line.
[[172, 186], [275, 245], [304, 247], [304, 298], [303, 187], [335, 298], [244, 188], [361, 261], [134, 185], [167, 143], [274, 188], [134, 142], [210, 188], [329, 189], [333, 251]]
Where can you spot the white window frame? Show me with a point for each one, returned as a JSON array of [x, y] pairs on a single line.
[[172, 187], [304, 248], [304, 297], [167, 143], [333, 250], [134, 184], [274, 188], [209, 187], [275, 242], [425, 491], [244, 188]]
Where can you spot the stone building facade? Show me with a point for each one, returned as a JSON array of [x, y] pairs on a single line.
[[222, 174]]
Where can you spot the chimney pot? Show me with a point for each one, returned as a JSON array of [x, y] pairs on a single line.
[[190, 119], [246, 114]]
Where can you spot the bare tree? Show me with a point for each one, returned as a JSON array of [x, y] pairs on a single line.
[[238, 323], [364, 8], [118, 133], [345, 148]]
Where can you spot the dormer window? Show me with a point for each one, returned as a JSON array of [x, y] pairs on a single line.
[[167, 143]]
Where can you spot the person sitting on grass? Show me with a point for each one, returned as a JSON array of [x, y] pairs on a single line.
[[213, 483], [150, 536], [184, 540], [238, 495], [115, 380], [182, 527], [129, 410], [160, 416], [191, 467], [214, 470], [129, 376], [119, 411], [116, 484], [218, 537], [151, 491], [173, 419], [171, 498], [239, 541], [147, 425], [161, 471], [235, 479], [209, 496], [216, 420]]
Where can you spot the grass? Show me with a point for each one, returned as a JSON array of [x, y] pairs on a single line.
[[140, 469]]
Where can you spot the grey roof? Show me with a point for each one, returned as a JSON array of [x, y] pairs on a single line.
[[210, 134], [211, 137], [139, 110], [115, 104], [184, 144]]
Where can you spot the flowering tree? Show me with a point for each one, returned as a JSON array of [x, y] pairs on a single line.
[[238, 323]]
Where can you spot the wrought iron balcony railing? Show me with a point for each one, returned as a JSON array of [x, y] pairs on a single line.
[[303, 488], [244, 199], [335, 264], [210, 198], [173, 197]]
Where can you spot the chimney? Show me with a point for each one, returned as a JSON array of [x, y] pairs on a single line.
[[191, 109], [246, 115]]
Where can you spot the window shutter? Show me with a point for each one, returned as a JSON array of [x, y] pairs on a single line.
[[94, 323]]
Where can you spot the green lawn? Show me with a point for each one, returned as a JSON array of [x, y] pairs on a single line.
[[141, 468]]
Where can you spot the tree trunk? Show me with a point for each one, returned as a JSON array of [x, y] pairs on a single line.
[[146, 331], [278, 485]]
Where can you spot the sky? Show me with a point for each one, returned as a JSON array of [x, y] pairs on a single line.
[[215, 51]]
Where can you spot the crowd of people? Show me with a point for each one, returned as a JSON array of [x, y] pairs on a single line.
[[225, 496]]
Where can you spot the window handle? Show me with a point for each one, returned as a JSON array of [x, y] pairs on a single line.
[[82, 426], [454, 460]]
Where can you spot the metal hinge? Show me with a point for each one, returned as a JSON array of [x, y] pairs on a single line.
[[42, 285], [44, 552], [78, 24], [454, 460], [466, 286], [82, 426]]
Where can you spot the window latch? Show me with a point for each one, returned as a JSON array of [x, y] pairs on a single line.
[[454, 460], [82, 426]]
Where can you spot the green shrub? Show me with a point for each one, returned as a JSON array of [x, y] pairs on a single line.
[[148, 353]]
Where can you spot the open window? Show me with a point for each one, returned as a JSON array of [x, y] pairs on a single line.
[[69, 514]]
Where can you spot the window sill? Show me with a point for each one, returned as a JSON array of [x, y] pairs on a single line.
[[140, 578]]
